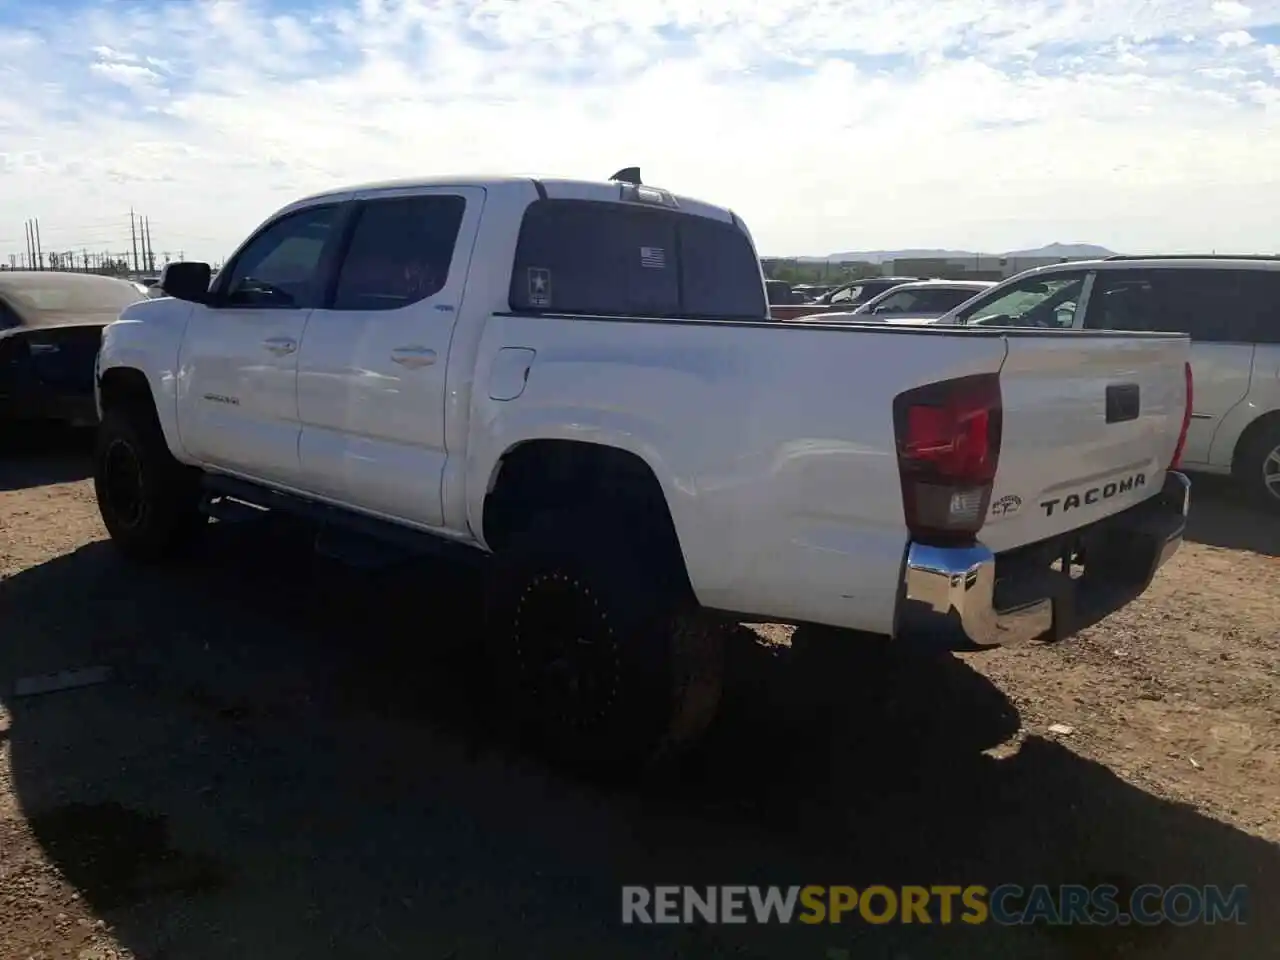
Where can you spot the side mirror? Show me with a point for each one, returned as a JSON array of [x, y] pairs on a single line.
[[186, 280]]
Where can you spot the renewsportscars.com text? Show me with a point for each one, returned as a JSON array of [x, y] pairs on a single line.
[[1008, 904]]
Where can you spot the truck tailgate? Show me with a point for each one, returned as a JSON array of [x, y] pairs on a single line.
[[1091, 421]]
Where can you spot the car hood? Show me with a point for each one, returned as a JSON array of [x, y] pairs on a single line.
[[54, 321], [852, 317]]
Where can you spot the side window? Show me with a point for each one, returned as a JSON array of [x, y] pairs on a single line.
[[400, 252], [1125, 300], [1038, 301], [719, 272], [944, 300], [1260, 296], [280, 265], [780, 292], [576, 256], [847, 295], [1208, 304], [900, 302]]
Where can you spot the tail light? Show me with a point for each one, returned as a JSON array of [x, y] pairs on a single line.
[[948, 444], [1186, 424]]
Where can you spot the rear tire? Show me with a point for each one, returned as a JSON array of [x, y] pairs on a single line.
[[149, 502], [600, 657], [1257, 468]]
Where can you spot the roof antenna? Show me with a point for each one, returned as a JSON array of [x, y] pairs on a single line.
[[627, 175]]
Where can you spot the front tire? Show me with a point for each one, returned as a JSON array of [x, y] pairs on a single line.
[[1257, 468], [149, 502], [600, 657]]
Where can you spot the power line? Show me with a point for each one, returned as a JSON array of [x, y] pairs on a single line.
[[110, 253]]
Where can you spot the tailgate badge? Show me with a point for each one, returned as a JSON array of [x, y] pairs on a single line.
[[1010, 503]]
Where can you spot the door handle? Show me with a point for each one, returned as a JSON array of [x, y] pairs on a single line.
[[413, 357], [280, 345]]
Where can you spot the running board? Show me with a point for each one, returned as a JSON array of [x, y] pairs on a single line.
[[351, 538]]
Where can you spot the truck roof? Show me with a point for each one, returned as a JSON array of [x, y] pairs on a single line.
[[556, 188]]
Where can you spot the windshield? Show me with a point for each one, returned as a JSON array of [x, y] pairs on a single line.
[[1037, 302]]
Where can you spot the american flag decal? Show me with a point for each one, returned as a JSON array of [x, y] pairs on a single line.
[[655, 258]]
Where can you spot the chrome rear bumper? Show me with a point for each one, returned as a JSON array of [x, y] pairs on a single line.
[[953, 598]]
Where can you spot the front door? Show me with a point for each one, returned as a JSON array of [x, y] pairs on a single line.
[[238, 369], [372, 369]]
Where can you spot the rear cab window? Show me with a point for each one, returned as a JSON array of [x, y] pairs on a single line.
[[602, 258]]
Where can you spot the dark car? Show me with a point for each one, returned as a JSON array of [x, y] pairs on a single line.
[[855, 294], [780, 292], [50, 331]]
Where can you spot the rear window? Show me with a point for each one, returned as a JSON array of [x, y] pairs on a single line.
[[614, 259]]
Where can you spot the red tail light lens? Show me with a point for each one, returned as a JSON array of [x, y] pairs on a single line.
[[948, 438], [1186, 424]]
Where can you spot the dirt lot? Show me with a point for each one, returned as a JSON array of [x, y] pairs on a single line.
[[289, 762]]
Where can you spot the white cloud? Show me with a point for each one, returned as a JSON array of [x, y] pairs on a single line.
[[1230, 10], [828, 124], [1235, 38], [130, 75]]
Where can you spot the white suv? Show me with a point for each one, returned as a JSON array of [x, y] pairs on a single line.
[[1229, 305]]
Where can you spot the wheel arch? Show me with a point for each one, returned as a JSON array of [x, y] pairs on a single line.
[[540, 474]]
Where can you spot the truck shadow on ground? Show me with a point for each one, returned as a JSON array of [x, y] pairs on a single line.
[[35, 457], [294, 760], [1219, 518]]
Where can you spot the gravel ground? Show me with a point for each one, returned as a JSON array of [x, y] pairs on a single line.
[[289, 761]]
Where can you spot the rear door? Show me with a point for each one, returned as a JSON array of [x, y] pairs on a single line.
[[371, 370], [1213, 307], [1090, 425]]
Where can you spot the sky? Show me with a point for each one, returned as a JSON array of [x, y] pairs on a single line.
[[828, 125]]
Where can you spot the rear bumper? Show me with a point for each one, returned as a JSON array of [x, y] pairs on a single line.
[[968, 598]]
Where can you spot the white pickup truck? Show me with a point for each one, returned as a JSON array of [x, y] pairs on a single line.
[[581, 380]]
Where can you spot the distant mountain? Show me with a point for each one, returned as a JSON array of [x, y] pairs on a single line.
[[1088, 251], [1072, 250]]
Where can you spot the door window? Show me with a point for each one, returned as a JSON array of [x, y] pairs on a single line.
[[1213, 306], [280, 266], [923, 300], [847, 295], [1125, 300], [1260, 300], [400, 252], [1038, 301]]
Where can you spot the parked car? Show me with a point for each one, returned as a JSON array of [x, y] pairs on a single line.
[[918, 302], [855, 294], [780, 293], [1230, 307], [844, 298], [50, 327], [923, 299], [578, 383]]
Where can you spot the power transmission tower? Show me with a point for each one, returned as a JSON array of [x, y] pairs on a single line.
[[39, 249], [151, 253], [133, 235]]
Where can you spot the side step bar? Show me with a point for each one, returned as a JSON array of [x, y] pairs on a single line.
[[342, 535]]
